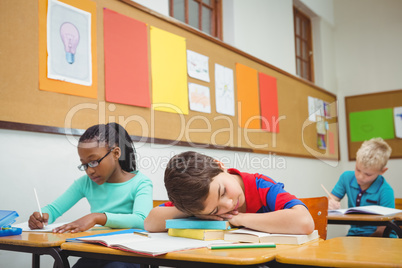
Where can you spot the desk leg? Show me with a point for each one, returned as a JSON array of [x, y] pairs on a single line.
[[60, 259], [35, 260], [392, 226]]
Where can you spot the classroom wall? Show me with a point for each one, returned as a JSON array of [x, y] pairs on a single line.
[[368, 60], [48, 161]]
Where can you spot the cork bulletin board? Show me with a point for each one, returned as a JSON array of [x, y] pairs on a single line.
[[373, 115], [24, 104]]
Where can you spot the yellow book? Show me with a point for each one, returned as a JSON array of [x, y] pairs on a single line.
[[200, 234]]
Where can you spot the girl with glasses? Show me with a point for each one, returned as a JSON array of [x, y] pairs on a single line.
[[119, 195]]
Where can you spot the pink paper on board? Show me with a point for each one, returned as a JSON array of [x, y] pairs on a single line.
[[268, 103], [126, 60], [331, 142]]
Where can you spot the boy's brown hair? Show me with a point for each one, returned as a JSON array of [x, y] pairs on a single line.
[[187, 179]]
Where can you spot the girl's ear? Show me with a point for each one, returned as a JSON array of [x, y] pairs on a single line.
[[116, 153]]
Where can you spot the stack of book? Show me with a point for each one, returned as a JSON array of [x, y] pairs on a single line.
[[208, 230]]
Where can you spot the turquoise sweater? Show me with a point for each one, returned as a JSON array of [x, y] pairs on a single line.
[[125, 204]]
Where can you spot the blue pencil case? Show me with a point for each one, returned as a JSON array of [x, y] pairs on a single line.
[[7, 217]]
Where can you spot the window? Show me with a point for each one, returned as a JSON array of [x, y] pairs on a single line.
[[304, 45], [205, 15]]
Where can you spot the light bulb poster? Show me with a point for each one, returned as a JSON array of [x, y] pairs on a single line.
[[67, 35], [69, 44]]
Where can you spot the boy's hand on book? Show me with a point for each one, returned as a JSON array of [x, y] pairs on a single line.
[[209, 217], [82, 224], [36, 221], [333, 204], [220, 217]]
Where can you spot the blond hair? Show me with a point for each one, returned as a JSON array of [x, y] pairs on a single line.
[[374, 153]]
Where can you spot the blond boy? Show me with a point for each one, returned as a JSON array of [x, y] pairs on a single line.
[[366, 186]]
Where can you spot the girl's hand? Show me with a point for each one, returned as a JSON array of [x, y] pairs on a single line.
[[333, 204], [36, 221], [82, 224]]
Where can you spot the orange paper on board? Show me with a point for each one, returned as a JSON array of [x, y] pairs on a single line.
[[59, 86], [126, 60], [269, 103], [248, 97]]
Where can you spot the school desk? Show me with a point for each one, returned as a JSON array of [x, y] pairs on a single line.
[[202, 257], [40, 243], [346, 252], [391, 222]]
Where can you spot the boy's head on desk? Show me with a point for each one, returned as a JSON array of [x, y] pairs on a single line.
[[371, 161], [200, 185]]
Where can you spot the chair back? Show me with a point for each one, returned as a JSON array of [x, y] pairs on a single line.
[[318, 208], [398, 203], [159, 202]]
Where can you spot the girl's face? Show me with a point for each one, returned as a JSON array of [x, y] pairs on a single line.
[[93, 151]]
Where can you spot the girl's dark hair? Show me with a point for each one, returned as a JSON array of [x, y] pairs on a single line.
[[114, 135]]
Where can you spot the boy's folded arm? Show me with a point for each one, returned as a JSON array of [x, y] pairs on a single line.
[[295, 220], [155, 222]]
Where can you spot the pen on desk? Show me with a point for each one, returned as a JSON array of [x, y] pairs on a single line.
[[142, 234], [242, 245], [326, 191]]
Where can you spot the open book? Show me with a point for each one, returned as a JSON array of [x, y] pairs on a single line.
[[376, 210], [248, 235], [154, 244]]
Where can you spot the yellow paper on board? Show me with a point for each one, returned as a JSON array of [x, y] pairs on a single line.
[[169, 72]]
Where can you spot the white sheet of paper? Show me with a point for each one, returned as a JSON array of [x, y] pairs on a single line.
[[61, 40], [48, 228], [197, 66], [398, 121], [199, 98], [224, 90]]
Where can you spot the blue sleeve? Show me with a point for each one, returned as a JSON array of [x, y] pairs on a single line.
[[387, 198], [340, 187]]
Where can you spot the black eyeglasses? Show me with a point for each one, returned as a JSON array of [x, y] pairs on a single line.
[[94, 163]]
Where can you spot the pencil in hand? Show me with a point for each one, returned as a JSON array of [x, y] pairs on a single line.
[[326, 191]]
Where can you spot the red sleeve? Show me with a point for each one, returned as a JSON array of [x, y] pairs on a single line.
[[167, 204]]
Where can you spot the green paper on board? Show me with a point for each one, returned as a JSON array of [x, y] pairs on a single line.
[[371, 124]]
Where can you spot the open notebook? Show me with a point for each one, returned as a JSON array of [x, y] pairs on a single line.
[[49, 228], [252, 236], [155, 244], [375, 210]]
